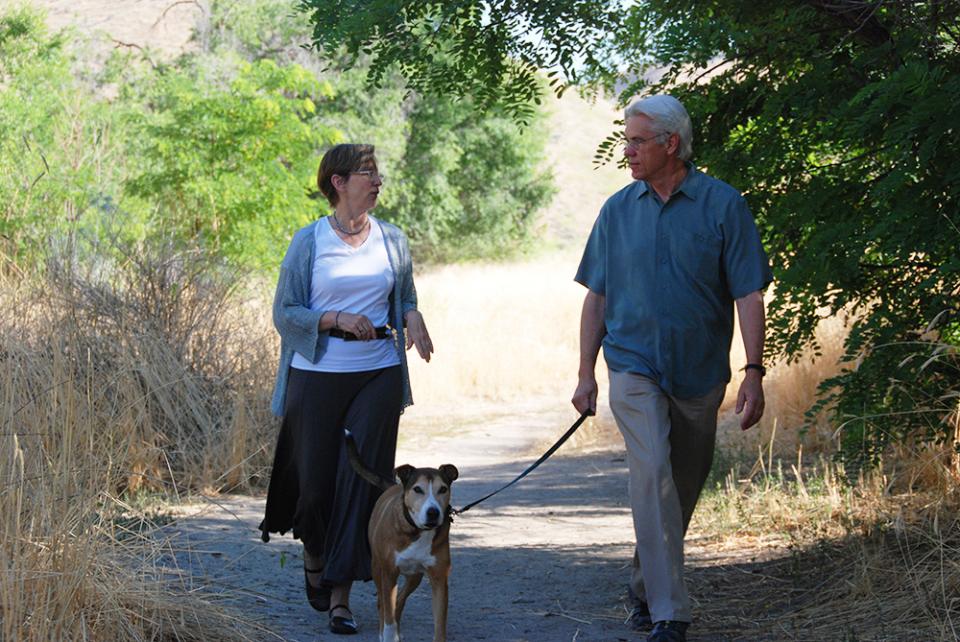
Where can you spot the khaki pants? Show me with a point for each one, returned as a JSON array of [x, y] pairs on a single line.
[[669, 450]]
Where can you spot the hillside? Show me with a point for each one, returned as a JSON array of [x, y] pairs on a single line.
[[161, 26]]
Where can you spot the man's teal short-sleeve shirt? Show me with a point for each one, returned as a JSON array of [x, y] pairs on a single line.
[[670, 274]]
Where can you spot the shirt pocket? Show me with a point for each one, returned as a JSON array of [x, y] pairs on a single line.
[[697, 252]]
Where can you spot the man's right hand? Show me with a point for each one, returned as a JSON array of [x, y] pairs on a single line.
[[592, 331], [585, 396]]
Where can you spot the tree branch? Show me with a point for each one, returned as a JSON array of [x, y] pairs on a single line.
[[171, 6]]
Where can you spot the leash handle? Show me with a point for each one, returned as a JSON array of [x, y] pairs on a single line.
[[572, 429]]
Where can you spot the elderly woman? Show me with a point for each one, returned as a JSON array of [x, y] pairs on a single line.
[[345, 308]]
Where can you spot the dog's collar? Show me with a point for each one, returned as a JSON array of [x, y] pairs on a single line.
[[406, 516]]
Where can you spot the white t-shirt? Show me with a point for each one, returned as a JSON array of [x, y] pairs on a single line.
[[357, 280]]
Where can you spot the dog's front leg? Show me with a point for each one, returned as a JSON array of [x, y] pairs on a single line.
[[387, 604], [438, 582], [410, 584]]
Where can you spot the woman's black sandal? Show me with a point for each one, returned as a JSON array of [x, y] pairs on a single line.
[[342, 625], [318, 596]]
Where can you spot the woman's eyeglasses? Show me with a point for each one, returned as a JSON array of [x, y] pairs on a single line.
[[372, 174]]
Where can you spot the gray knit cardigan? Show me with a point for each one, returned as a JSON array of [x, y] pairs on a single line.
[[298, 325]]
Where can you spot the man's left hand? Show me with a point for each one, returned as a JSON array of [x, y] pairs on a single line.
[[750, 399]]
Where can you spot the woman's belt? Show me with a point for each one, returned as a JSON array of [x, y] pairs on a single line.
[[383, 332]]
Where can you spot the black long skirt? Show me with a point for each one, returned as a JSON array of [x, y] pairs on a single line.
[[313, 489]]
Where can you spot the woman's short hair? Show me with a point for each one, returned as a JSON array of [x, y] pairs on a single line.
[[669, 117], [341, 160]]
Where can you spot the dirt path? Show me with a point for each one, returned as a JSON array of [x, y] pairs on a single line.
[[544, 561]]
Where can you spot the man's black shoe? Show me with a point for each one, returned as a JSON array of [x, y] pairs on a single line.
[[668, 631]]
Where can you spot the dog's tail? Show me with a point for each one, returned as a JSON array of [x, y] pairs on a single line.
[[353, 456]]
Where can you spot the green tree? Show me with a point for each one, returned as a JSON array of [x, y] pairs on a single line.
[[836, 119], [462, 184], [468, 186], [491, 50], [59, 147], [232, 164]]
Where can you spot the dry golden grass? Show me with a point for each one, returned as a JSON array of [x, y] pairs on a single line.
[[830, 560], [502, 332], [99, 396], [577, 127], [790, 389], [508, 333], [889, 585]]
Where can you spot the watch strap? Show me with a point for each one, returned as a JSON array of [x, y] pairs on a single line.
[[756, 366]]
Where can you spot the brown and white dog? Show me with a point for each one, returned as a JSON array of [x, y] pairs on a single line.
[[409, 534]]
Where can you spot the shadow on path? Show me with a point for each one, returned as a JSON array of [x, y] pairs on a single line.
[[543, 561]]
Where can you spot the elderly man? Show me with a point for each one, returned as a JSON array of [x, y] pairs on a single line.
[[666, 260]]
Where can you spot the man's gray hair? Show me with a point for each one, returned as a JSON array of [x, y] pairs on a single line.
[[669, 117]]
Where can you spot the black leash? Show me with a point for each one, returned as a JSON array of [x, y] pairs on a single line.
[[542, 459]]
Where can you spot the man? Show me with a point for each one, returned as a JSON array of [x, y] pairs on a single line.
[[666, 260]]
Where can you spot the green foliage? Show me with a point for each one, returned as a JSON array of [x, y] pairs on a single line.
[[468, 186], [461, 184], [57, 146], [219, 148], [232, 166], [491, 50]]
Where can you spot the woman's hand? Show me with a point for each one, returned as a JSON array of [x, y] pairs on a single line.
[[417, 334], [356, 324]]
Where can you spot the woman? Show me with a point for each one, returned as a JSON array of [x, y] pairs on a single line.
[[345, 304]]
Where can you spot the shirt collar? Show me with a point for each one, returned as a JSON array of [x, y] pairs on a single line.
[[689, 187]]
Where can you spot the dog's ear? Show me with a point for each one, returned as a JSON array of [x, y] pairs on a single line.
[[404, 473], [449, 473]]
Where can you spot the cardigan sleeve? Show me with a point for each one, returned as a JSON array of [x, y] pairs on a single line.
[[297, 324], [408, 290]]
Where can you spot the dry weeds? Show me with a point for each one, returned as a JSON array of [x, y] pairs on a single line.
[[834, 561], [111, 386]]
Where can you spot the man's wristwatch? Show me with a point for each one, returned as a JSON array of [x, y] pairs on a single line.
[[756, 366]]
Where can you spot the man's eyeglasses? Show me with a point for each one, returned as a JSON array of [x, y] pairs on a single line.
[[634, 143], [372, 174]]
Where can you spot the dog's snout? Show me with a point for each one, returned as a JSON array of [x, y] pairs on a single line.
[[433, 514]]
